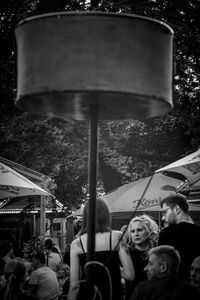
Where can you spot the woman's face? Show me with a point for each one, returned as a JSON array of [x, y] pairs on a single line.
[[139, 235]]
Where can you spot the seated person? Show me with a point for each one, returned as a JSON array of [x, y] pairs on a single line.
[[63, 276], [195, 272], [6, 254], [43, 281], [53, 258], [15, 277], [163, 283]]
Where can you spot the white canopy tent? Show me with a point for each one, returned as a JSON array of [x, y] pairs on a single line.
[[14, 184], [123, 201], [188, 166]]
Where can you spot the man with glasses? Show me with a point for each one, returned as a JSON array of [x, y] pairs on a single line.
[[180, 231]]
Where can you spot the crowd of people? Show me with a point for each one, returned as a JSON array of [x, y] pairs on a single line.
[[138, 262]]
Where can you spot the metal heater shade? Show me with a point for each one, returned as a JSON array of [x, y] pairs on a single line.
[[69, 61]]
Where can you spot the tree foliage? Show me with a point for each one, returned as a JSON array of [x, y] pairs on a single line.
[[131, 148]]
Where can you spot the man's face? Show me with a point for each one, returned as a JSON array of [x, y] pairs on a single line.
[[168, 214], [195, 273], [153, 269]]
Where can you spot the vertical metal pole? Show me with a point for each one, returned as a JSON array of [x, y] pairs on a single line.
[[34, 224], [42, 218], [93, 162], [61, 235], [159, 220]]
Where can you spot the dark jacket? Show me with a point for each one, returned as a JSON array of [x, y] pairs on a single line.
[[183, 237], [165, 289]]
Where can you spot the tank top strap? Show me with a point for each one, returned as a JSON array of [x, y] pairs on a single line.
[[81, 244], [47, 259], [110, 240]]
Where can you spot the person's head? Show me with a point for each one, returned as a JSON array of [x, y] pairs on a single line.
[[163, 261], [174, 208], [103, 219], [63, 271], [6, 248], [38, 260], [142, 232], [15, 275], [17, 268], [195, 272], [49, 244]]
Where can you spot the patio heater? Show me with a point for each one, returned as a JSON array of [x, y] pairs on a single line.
[[96, 66]]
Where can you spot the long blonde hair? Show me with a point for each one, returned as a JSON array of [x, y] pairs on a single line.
[[151, 227]]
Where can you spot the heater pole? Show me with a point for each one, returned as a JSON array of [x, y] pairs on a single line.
[[93, 166]]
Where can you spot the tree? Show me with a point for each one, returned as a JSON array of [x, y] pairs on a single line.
[[128, 149], [158, 141]]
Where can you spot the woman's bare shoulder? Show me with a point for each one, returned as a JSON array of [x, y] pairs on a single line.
[[75, 244]]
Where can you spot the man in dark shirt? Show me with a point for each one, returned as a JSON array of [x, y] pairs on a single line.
[[181, 231], [163, 283]]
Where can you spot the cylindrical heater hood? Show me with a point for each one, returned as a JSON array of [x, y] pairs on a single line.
[[121, 63]]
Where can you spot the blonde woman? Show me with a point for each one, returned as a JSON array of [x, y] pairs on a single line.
[[110, 254], [142, 235]]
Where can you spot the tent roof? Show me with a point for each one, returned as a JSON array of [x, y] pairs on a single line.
[[32, 175], [16, 205]]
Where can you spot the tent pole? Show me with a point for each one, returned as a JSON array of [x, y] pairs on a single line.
[[42, 218], [34, 224]]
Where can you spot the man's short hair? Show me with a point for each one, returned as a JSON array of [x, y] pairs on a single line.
[[40, 256], [168, 254], [176, 199], [48, 244]]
